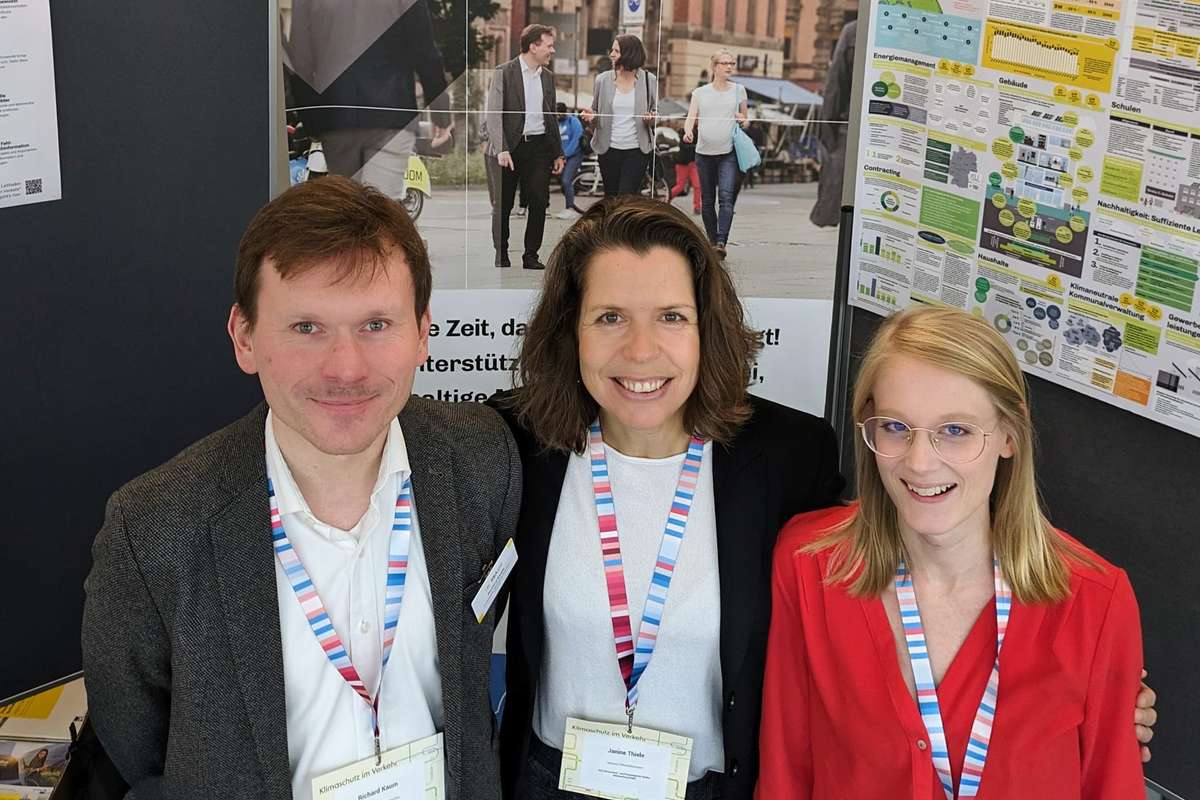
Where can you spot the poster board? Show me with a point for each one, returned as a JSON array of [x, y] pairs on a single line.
[[1117, 440], [1037, 164], [113, 299]]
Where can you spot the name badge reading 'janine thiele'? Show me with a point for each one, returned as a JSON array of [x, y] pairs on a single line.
[[613, 761], [415, 771]]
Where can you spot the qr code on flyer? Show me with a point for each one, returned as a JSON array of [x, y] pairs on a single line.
[[33, 186]]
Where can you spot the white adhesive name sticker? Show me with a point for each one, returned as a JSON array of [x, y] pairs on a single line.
[[494, 580]]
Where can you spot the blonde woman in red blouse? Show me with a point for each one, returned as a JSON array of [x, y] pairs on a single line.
[[943, 607]]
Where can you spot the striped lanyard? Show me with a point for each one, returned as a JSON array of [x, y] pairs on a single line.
[[314, 609], [633, 660], [927, 699]]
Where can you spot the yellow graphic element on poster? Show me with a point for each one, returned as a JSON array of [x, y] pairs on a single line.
[[37, 707], [1059, 56], [1121, 178], [1096, 10]]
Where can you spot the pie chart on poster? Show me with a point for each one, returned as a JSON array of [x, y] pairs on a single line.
[[1002, 323]]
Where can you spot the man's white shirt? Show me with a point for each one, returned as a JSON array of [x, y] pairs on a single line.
[[329, 724], [535, 117]]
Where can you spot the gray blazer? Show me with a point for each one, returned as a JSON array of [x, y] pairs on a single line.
[[505, 115], [644, 99], [182, 648]]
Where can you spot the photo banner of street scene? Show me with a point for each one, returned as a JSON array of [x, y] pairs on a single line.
[[427, 99], [1036, 165]]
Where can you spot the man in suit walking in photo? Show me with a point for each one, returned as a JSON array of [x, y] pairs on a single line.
[[523, 140], [285, 605]]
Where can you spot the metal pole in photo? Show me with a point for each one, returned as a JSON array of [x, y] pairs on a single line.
[[575, 59], [838, 380]]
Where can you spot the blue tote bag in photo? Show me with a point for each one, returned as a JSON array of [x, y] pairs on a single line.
[[747, 152]]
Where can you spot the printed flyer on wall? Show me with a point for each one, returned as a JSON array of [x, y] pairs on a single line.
[[1037, 163], [29, 166]]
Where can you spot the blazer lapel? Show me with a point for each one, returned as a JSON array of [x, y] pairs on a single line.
[[435, 497], [518, 82], [740, 496], [244, 559]]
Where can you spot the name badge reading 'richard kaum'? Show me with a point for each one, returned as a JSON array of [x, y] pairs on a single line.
[[612, 761], [415, 771]]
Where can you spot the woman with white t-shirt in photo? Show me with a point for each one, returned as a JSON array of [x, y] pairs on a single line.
[[626, 104], [716, 107]]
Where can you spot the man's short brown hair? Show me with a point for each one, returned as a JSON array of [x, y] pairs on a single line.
[[552, 401], [533, 34], [331, 221]]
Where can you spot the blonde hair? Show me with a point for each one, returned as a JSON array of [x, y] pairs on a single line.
[[712, 62], [1032, 555]]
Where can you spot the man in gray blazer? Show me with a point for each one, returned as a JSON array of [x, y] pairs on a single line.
[[523, 142], [240, 634]]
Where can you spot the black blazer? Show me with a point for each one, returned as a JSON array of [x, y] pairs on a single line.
[[782, 463]]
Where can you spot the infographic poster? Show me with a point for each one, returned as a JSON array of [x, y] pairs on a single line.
[[1036, 163]]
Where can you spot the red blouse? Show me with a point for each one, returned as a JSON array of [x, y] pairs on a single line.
[[839, 722]]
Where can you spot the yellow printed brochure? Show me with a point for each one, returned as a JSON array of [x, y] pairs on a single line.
[[24, 793], [602, 759], [415, 771], [45, 716]]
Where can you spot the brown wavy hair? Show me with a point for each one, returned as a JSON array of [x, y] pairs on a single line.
[[633, 54], [552, 401]]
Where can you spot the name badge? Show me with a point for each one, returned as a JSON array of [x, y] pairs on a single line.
[[411, 772], [608, 760], [494, 580]]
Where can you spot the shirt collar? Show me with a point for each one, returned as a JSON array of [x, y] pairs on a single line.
[[287, 494], [526, 69]]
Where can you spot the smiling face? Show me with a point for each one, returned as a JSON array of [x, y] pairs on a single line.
[[639, 343], [542, 50], [336, 359], [935, 498]]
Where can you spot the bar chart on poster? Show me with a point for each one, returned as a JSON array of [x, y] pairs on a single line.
[[1037, 163]]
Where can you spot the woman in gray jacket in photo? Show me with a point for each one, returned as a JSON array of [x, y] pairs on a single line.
[[626, 103]]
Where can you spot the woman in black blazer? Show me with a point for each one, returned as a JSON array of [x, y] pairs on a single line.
[[609, 342]]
